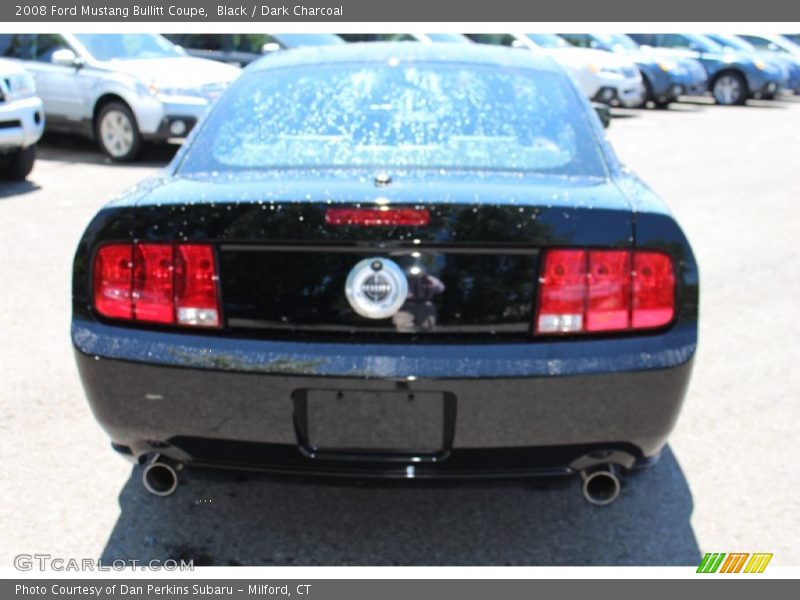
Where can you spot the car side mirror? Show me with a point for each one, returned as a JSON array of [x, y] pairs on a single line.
[[270, 47], [603, 113], [66, 58]]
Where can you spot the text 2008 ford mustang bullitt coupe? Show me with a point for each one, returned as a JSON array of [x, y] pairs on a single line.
[[398, 260]]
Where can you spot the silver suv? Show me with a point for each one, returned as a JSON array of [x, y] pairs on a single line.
[[119, 89]]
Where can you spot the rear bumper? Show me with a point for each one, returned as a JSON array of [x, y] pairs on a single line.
[[516, 409]]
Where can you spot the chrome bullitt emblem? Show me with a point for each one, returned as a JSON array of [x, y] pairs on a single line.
[[376, 288]]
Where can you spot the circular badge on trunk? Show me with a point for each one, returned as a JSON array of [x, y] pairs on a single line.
[[376, 288]]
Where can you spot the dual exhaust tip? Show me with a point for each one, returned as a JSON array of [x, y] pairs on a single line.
[[160, 477], [601, 485]]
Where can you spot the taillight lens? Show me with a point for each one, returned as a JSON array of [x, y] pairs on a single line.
[[562, 292], [588, 291], [609, 288], [195, 286], [153, 283], [653, 289], [113, 281], [157, 283]]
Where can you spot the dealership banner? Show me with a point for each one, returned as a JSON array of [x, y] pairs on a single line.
[[478, 11], [385, 589]]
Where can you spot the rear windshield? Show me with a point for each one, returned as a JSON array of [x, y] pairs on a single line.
[[435, 116]]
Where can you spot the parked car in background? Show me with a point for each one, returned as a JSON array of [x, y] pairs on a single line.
[[782, 46], [425, 38], [789, 63], [604, 77], [119, 89], [391, 260], [21, 120], [243, 48], [772, 43], [664, 78], [733, 77]]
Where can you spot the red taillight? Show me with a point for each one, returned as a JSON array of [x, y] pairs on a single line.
[[378, 217], [153, 283], [562, 292], [113, 278], [653, 289], [195, 286], [157, 283], [609, 290], [604, 290]]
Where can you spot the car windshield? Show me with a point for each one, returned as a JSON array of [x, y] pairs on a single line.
[[295, 40], [125, 46], [547, 40], [430, 116], [616, 40], [732, 42], [705, 44], [786, 44], [448, 37]]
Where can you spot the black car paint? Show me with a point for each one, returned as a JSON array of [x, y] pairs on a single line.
[[523, 404]]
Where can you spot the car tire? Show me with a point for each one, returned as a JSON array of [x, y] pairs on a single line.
[[117, 133], [19, 164], [729, 89], [648, 93]]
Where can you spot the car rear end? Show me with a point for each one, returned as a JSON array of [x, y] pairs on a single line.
[[545, 323], [503, 354]]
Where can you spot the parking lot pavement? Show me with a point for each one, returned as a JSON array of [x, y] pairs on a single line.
[[732, 177]]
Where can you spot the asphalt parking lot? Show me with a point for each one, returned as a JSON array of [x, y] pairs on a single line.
[[725, 484]]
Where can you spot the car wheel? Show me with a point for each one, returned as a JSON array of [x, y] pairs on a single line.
[[19, 164], [117, 132], [729, 89]]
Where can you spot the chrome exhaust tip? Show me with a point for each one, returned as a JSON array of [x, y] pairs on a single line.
[[160, 478], [601, 486]]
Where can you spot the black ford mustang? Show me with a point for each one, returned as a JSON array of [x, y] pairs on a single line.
[[390, 259]]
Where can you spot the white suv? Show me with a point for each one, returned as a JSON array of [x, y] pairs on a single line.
[[119, 89], [603, 76], [21, 121]]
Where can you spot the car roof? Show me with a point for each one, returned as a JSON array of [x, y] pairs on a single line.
[[381, 52]]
